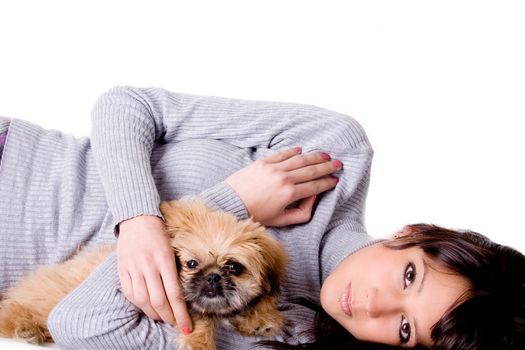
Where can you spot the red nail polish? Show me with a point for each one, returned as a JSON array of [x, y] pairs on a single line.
[[338, 164], [297, 150], [186, 330], [335, 178], [325, 156]]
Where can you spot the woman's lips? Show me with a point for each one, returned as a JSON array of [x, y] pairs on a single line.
[[346, 300]]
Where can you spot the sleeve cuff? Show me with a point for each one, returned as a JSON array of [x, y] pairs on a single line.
[[223, 197], [219, 197], [134, 209]]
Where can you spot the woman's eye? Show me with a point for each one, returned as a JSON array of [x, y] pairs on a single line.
[[404, 330], [192, 264], [410, 275]]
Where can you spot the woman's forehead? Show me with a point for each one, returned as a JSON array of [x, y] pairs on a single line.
[[442, 291]]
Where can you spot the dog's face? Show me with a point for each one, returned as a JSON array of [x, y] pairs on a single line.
[[224, 265]]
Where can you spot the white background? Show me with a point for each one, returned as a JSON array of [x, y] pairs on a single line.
[[438, 85]]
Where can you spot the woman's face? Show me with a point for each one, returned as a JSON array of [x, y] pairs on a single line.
[[390, 296]]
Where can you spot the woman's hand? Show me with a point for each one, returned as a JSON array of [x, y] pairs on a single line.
[[147, 271], [269, 185]]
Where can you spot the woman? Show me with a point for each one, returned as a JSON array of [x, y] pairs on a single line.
[[149, 145]]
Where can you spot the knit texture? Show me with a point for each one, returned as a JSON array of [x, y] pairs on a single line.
[[149, 145]]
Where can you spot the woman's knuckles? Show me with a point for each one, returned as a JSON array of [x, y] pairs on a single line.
[[141, 299], [160, 304], [312, 172]]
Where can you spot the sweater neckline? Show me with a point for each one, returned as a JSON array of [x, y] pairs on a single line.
[[339, 243]]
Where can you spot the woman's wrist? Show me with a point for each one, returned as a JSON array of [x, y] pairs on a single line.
[[223, 197], [140, 223]]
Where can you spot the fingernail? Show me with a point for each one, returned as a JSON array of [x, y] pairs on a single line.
[[335, 178], [325, 156], [338, 164], [186, 330], [297, 149]]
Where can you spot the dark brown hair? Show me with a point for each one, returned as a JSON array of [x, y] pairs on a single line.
[[492, 317]]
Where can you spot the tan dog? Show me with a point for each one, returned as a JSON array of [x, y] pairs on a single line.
[[230, 271]]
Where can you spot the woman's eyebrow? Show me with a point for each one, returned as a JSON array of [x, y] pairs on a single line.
[[422, 278], [421, 284]]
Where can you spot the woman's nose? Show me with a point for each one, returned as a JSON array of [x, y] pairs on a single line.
[[380, 303]]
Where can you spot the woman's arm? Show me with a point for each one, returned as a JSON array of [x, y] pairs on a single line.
[[128, 122], [268, 185], [97, 315]]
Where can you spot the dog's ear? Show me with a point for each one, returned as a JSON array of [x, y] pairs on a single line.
[[273, 255], [182, 214]]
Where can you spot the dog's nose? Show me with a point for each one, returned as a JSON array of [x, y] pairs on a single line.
[[213, 278], [213, 288]]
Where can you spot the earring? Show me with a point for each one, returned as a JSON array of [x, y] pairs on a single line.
[[396, 236]]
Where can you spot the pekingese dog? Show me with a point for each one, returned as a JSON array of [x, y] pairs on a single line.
[[230, 272]]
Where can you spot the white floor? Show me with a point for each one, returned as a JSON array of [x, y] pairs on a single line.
[[7, 344]]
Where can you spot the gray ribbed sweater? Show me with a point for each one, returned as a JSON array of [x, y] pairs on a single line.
[[148, 145]]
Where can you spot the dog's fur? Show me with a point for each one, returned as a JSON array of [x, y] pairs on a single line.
[[230, 272]]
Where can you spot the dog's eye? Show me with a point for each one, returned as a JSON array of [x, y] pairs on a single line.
[[192, 264], [234, 268]]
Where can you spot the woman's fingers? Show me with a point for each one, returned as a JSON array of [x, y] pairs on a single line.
[[313, 172], [292, 159], [157, 296], [297, 215], [314, 187], [281, 156], [141, 296], [303, 160], [125, 283], [175, 295], [269, 185], [306, 195]]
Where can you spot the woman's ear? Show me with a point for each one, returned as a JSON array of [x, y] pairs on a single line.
[[412, 230], [405, 231]]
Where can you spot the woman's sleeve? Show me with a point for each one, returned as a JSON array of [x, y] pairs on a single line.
[[97, 315], [128, 122]]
